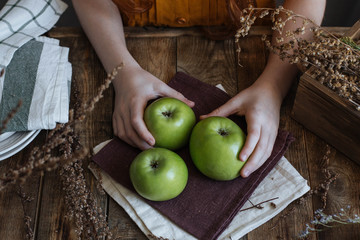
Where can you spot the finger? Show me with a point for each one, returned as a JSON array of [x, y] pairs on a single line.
[[225, 110], [253, 131], [121, 132], [133, 136], [137, 116], [170, 92], [259, 156], [115, 125], [272, 140]]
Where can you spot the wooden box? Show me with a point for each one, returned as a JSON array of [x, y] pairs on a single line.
[[328, 115]]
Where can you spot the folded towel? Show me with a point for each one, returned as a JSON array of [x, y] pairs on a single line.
[[283, 182], [21, 21], [206, 207], [35, 70]]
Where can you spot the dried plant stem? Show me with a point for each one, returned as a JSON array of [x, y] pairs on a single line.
[[62, 148], [321, 190], [42, 158], [258, 205], [27, 219], [335, 62], [82, 206]]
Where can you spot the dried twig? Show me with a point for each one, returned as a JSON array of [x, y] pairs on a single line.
[[258, 205], [321, 190], [42, 158], [336, 61], [62, 148], [27, 219]]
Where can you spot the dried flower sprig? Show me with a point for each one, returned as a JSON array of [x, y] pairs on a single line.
[[335, 61], [27, 219], [43, 158], [82, 206], [323, 221], [259, 205], [321, 190]]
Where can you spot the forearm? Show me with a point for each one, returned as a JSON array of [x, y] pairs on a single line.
[[102, 24], [280, 74]]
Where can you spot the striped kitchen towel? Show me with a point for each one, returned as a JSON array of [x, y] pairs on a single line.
[[34, 70]]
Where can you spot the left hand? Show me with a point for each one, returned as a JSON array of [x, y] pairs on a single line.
[[260, 103]]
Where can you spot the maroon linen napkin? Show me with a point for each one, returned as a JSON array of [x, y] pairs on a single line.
[[206, 207]]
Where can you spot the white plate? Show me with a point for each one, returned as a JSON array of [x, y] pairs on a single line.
[[4, 136], [16, 142]]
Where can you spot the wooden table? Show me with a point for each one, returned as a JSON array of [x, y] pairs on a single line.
[[163, 52]]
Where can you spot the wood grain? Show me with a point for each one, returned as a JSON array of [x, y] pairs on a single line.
[[167, 32], [88, 75], [156, 55], [12, 224], [320, 110], [210, 61], [345, 190], [122, 226], [328, 115], [162, 54], [251, 60]]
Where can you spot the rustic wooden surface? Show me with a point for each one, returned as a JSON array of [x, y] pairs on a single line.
[[213, 62]]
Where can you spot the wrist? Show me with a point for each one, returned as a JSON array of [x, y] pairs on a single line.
[[279, 77], [126, 74], [269, 87]]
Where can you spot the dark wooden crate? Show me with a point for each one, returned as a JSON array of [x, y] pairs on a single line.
[[328, 115]]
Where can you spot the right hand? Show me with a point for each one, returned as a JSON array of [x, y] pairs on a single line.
[[134, 87]]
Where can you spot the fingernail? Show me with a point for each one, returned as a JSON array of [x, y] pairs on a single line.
[[151, 142], [243, 157], [246, 173]]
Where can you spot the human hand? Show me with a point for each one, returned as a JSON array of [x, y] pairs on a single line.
[[260, 103], [134, 87]]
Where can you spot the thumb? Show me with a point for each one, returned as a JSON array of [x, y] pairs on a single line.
[[230, 107], [170, 92]]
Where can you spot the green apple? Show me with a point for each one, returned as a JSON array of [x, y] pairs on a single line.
[[215, 144], [170, 121], [158, 174]]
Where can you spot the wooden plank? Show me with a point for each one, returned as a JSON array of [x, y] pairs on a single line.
[[210, 61], [161, 32], [288, 223], [12, 213], [158, 56], [122, 226], [155, 55], [354, 31], [251, 60], [291, 221], [88, 75], [345, 191]]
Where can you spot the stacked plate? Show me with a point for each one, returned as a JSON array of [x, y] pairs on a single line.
[[13, 142]]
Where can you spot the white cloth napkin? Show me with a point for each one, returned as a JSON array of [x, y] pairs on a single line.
[[35, 69], [23, 20], [283, 183]]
